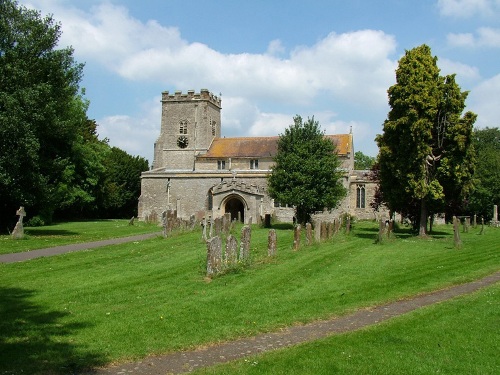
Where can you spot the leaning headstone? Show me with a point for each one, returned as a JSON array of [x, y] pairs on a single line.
[[231, 250], [309, 239], [18, 232], [296, 237], [271, 243], [214, 256], [131, 221], [246, 233], [456, 232]]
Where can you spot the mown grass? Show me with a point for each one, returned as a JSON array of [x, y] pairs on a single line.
[[72, 232], [125, 302], [460, 336]]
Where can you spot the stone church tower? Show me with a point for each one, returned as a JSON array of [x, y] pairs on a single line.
[[189, 124]]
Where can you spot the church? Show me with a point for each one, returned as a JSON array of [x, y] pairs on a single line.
[[199, 173]]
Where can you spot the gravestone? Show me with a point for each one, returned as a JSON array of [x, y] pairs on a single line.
[[204, 229], [317, 231], [324, 230], [271, 243], [348, 225], [18, 232], [211, 226], [296, 237], [246, 233], [495, 212], [214, 256], [330, 231], [164, 223], [131, 221], [456, 232], [218, 226], [231, 250], [309, 239]]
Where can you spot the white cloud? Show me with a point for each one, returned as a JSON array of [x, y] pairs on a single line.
[[464, 72], [468, 8], [483, 100], [484, 37], [134, 134]]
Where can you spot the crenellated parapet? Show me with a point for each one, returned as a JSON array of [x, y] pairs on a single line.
[[179, 96]]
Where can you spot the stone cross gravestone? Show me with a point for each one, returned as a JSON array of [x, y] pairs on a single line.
[[18, 232]]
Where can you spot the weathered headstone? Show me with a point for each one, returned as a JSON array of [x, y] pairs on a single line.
[[231, 250], [214, 256], [317, 231], [246, 233], [192, 222], [329, 231], [204, 229], [296, 237], [348, 225], [482, 226], [390, 228], [466, 224], [456, 232], [211, 226], [474, 223], [131, 221], [164, 223], [218, 226], [309, 239], [250, 220], [324, 230], [18, 232], [381, 230], [271, 243], [495, 212]]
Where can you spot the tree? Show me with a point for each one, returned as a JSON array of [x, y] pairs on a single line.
[[426, 157], [42, 117], [306, 173], [362, 161], [487, 174]]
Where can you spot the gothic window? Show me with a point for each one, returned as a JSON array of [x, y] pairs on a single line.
[[183, 127], [254, 164], [360, 196], [221, 164]]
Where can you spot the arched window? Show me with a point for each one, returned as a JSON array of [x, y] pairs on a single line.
[[360, 196]]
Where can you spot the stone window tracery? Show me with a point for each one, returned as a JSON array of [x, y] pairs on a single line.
[[360, 196]]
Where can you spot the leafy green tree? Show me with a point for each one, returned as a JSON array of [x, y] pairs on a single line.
[[487, 175], [122, 184], [426, 157], [306, 173], [42, 117], [362, 161]]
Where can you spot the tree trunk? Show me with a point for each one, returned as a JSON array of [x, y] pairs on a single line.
[[423, 218]]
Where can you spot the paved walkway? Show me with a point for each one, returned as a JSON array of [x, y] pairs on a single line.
[[27, 255], [187, 361]]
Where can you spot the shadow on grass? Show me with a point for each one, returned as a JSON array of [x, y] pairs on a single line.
[[33, 340], [282, 226], [49, 232]]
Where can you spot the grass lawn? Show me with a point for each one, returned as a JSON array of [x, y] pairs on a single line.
[[90, 308], [73, 232], [460, 336]]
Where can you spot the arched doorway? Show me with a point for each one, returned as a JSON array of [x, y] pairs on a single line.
[[234, 206]]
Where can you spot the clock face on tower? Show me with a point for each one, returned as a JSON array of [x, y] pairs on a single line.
[[182, 141]]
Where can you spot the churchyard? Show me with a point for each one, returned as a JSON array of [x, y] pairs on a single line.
[[66, 313]]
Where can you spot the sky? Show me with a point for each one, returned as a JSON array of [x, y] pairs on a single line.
[[271, 60]]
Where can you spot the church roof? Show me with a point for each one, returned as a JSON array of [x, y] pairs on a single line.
[[262, 147]]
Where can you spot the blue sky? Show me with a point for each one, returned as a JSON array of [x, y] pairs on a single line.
[[271, 60]]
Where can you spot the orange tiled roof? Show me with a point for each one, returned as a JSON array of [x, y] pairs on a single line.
[[262, 147]]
